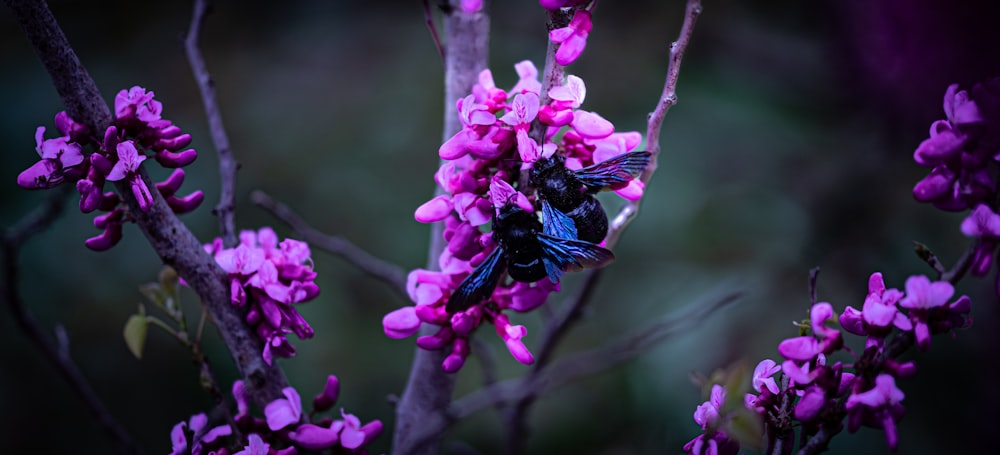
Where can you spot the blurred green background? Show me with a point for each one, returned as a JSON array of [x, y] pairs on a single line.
[[790, 149]]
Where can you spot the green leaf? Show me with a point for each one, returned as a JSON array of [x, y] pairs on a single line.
[[135, 334], [168, 280]]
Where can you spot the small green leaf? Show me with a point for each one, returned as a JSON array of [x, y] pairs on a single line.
[[135, 334], [168, 280]]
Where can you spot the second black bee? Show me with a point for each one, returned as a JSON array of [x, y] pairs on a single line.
[[528, 250], [571, 191]]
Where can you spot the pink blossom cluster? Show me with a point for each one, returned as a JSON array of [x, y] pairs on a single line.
[[711, 416], [863, 391], [138, 130], [963, 151], [284, 430], [572, 38], [268, 278], [492, 149]]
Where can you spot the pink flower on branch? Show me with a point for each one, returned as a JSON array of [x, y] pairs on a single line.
[[572, 39], [285, 429]]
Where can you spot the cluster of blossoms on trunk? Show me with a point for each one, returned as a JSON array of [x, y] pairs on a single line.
[[482, 165], [963, 152], [138, 132], [284, 430], [820, 392], [267, 279]]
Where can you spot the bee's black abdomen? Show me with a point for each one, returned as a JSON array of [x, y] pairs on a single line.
[[590, 220]]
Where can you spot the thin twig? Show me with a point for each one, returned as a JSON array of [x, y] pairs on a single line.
[[813, 279], [429, 20], [929, 257], [169, 237], [428, 388], [228, 166], [818, 442], [387, 272], [655, 122], [589, 362], [957, 271], [56, 351]]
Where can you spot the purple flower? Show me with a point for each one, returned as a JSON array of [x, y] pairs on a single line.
[[572, 38], [527, 78], [137, 104], [471, 6], [502, 193], [762, 376], [922, 297], [328, 396], [314, 437], [707, 414], [255, 446], [958, 155], [285, 426], [270, 278], [556, 4], [878, 407], [806, 348], [202, 441], [434, 210], [57, 156], [523, 111], [77, 132], [127, 167], [284, 411], [401, 323], [982, 222], [878, 314], [511, 335]]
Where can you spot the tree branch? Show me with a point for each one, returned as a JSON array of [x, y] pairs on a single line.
[[428, 388], [655, 120], [228, 166], [55, 352], [589, 362], [169, 237], [387, 272]]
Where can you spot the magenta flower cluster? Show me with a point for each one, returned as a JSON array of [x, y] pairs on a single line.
[[710, 415], [138, 132], [483, 162], [284, 430], [268, 278], [963, 151], [823, 393]]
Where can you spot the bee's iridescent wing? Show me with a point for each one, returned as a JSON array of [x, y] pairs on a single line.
[[571, 255], [614, 173], [479, 285]]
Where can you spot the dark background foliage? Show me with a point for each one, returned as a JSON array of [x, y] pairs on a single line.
[[790, 148]]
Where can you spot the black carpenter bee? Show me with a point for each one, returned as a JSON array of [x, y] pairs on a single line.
[[571, 192], [528, 250]]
